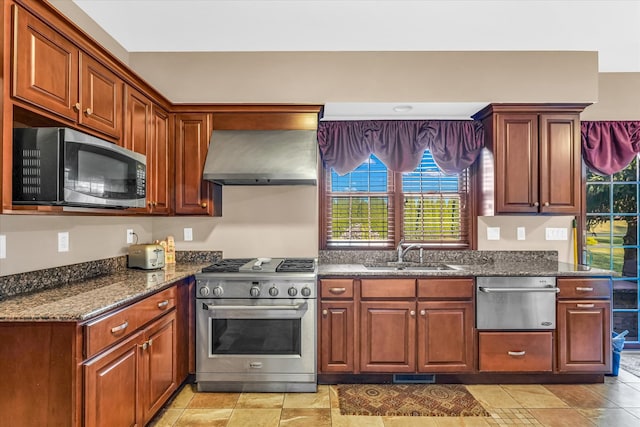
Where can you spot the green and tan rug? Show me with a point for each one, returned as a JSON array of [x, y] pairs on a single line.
[[427, 400]]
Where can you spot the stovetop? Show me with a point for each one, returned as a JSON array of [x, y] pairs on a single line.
[[262, 265]]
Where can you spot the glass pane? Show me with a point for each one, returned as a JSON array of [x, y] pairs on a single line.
[[599, 227], [630, 262], [617, 258], [370, 176], [629, 173], [625, 294], [595, 177], [598, 200], [359, 218], [626, 321], [432, 218], [625, 198]]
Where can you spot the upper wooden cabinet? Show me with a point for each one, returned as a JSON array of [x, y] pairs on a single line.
[[50, 72], [536, 158], [194, 196]]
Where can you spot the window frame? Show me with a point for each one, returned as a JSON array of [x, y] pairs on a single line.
[[395, 192]]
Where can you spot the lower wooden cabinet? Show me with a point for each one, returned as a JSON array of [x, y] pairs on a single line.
[[337, 336]]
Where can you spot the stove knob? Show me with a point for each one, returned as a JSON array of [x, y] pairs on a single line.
[[273, 291], [254, 291], [292, 291], [218, 291], [204, 291], [306, 292]]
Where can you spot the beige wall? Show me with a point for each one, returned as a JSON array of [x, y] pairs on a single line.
[[618, 98], [534, 234], [319, 77]]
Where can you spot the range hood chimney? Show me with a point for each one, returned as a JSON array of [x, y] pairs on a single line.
[[262, 157]]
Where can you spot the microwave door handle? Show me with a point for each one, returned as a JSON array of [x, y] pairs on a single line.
[[522, 290]]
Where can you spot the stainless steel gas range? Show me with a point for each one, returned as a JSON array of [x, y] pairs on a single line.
[[256, 325]]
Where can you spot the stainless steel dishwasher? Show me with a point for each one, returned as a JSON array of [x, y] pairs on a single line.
[[516, 303]]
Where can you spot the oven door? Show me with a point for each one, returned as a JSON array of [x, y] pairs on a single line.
[[255, 336]]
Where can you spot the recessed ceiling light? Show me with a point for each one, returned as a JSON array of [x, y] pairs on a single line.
[[402, 108]]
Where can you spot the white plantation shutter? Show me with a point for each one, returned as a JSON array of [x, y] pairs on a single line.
[[360, 207]]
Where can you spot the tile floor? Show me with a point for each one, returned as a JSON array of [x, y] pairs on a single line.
[[614, 403]]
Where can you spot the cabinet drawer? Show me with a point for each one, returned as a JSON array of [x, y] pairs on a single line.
[[446, 288], [584, 288], [388, 288], [515, 351], [111, 328], [336, 288]]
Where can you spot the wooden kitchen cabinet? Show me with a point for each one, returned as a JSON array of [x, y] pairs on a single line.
[[337, 326], [536, 158], [584, 325], [52, 73], [515, 351], [194, 196]]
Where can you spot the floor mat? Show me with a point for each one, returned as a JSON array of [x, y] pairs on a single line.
[[434, 400], [630, 362]]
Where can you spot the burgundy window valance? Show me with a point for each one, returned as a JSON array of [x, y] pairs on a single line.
[[455, 145], [609, 146]]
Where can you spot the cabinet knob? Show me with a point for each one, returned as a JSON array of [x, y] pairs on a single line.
[[144, 345], [76, 106], [325, 312], [204, 205], [536, 204], [546, 203], [88, 112], [412, 312], [423, 312]]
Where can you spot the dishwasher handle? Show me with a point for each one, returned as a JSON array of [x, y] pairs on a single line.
[[487, 290]]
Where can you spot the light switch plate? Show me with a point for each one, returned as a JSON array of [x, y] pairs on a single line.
[[63, 241], [552, 233], [521, 234], [493, 233], [188, 234], [3, 246]]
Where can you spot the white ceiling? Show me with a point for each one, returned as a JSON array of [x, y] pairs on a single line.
[[609, 27]]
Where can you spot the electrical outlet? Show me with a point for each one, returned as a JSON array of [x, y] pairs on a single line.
[[493, 233], [3, 246], [552, 233], [63, 241], [130, 235], [188, 234], [521, 233]]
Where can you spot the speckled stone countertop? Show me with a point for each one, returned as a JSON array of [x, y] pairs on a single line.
[[506, 269], [337, 263], [85, 299]]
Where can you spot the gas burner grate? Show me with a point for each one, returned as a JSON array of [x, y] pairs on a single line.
[[230, 265], [297, 265]]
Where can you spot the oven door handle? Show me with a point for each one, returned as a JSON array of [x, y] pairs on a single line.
[[523, 290], [256, 307]]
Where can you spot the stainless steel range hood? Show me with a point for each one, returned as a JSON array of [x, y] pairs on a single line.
[[262, 157]]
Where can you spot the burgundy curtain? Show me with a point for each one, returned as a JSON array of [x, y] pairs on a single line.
[[609, 146], [455, 145]]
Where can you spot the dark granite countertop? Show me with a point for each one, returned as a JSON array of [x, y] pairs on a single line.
[[85, 299], [510, 268]]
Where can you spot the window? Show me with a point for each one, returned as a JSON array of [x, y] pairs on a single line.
[[374, 207], [612, 240]]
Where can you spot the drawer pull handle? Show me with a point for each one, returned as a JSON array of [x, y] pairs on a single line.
[[585, 305], [163, 304], [337, 291], [516, 353], [582, 289], [120, 327]]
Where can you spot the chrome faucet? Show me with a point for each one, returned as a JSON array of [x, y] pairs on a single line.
[[403, 251]]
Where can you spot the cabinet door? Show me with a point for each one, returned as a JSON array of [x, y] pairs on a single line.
[[516, 163], [159, 161], [111, 386], [45, 66], [584, 336], [159, 365], [193, 194], [445, 336], [101, 93], [337, 336], [137, 129], [388, 336], [560, 164]]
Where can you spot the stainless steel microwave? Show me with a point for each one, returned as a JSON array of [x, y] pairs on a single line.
[[65, 167]]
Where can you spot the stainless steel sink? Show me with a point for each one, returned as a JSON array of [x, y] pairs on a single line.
[[394, 266]]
